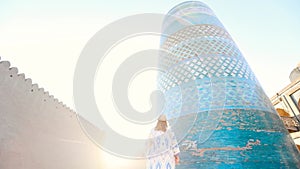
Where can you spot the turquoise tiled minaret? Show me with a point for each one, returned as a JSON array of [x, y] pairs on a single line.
[[214, 101]]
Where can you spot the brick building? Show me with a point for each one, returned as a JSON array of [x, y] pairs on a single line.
[[287, 104]]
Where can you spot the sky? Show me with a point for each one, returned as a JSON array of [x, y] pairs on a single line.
[[44, 39]]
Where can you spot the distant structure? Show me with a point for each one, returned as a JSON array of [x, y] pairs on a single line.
[[38, 131], [236, 125], [295, 74], [287, 104]]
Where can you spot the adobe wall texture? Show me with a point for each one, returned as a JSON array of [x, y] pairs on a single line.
[[37, 131]]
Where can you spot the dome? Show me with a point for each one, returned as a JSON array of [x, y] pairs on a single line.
[[295, 74]]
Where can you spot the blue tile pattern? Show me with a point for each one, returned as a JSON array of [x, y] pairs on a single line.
[[210, 85]]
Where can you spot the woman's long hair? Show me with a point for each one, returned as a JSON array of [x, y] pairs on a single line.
[[161, 126]]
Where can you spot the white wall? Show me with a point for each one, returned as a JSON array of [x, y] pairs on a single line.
[[37, 131]]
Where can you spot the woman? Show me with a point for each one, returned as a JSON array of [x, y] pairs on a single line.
[[163, 150]]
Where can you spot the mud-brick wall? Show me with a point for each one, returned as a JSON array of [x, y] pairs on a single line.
[[37, 131]]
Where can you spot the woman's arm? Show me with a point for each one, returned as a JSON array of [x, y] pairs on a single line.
[[177, 159]]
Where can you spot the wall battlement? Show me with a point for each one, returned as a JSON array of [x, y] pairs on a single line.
[[39, 131]]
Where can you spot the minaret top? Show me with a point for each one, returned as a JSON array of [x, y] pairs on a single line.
[[187, 5], [187, 14]]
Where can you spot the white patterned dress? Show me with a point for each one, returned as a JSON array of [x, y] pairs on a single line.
[[161, 148]]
